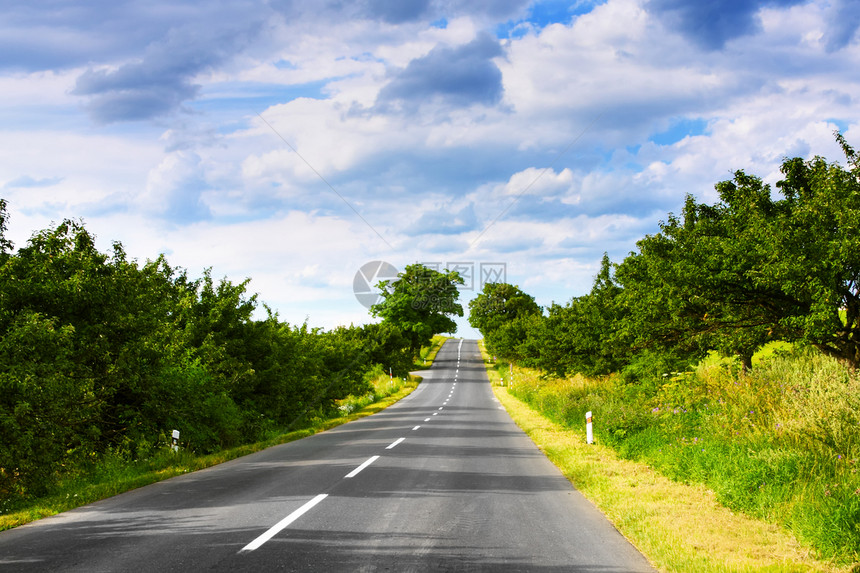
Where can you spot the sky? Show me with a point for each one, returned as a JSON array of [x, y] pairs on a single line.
[[294, 142]]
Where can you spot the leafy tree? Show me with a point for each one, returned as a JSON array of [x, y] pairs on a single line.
[[580, 336], [46, 412], [420, 302], [496, 313], [382, 344], [82, 348], [752, 268], [520, 340]]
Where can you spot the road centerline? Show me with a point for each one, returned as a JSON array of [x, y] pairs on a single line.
[[394, 443], [284, 523], [356, 471]]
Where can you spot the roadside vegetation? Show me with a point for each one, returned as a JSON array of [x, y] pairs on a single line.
[[681, 527], [116, 474], [722, 353], [102, 358], [754, 444]]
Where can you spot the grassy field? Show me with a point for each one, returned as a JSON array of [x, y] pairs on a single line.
[[666, 481], [117, 475]]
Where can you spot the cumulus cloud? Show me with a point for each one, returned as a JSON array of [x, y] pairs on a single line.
[[457, 76], [844, 20], [160, 81], [142, 59], [712, 24]]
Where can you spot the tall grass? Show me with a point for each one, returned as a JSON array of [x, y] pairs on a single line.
[[779, 442], [383, 386], [428, 353]]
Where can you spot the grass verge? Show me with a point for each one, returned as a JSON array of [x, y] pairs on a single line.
[[679, 528]]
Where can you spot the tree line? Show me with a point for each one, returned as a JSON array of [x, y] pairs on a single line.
[[759, 265], [100, 354]]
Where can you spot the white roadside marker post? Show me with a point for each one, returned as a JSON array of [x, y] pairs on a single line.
[[175, 445], [589, 431]]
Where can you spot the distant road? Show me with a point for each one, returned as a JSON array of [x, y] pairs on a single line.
[[441, 481]]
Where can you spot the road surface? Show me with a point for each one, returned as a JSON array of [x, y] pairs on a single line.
[[441, 481]]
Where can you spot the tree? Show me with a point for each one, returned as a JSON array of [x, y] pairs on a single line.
[[581, 336], [752, 268], [499, 303], [501, 312], [420, 302]]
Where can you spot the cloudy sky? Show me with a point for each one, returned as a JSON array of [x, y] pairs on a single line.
[[293, 142]]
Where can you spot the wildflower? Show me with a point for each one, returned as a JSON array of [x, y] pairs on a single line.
[[826, 493], [839, 457], [857, 491]]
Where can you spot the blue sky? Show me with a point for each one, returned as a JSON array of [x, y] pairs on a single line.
[[294, 142]]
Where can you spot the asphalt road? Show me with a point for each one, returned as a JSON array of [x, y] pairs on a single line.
[[441, 481]]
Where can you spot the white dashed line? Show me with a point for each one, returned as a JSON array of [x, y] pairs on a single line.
[[354, 472], [394, 443], [275, 529]]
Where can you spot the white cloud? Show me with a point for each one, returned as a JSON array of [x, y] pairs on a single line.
[[562, 169]]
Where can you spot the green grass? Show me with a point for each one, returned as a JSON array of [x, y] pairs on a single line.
[[115, 474]]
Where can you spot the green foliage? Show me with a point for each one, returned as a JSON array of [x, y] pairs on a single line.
[[420, 302], [582, 335], [576, 337], [730, 277], [506, 317], [101, 357], [499, 304], [751, 269]]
